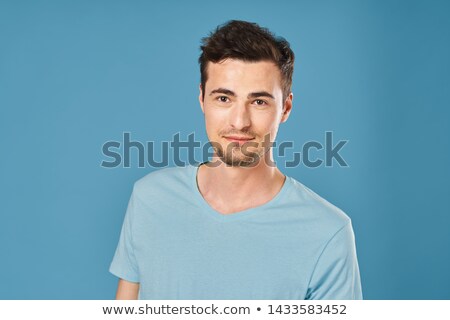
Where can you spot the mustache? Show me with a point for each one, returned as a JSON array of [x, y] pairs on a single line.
[[239, 134]]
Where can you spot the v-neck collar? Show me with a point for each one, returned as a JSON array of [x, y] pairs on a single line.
[[240, 214]]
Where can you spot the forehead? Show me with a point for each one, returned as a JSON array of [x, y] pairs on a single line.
[[238, 75]]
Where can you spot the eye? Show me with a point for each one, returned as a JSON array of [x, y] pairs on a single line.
[[222, 98], [260, 102]]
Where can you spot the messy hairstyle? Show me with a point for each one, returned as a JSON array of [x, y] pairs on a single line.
[[247, 41]]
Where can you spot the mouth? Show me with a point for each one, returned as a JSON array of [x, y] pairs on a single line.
[[238, 139]]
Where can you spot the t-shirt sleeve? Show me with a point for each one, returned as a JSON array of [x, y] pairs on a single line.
[[124, 263], [336, 275]]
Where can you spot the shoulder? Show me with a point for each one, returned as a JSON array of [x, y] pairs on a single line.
[[317, 211], [162, 180]]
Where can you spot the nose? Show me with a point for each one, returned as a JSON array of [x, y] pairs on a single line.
[[239, 117]]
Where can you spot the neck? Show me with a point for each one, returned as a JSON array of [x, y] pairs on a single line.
[[236, 187]]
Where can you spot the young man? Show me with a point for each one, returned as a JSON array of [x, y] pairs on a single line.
[[236, 227]]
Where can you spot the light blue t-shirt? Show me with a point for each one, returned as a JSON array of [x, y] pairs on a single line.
[[296, 246]]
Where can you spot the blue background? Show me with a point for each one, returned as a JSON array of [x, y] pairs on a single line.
[[76, 75]]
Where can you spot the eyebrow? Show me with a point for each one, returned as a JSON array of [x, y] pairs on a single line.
[[250, 95]]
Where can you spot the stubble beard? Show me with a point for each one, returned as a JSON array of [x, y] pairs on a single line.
[[240, 156]]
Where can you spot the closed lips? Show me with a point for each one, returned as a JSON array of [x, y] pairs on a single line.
[[238, 138]]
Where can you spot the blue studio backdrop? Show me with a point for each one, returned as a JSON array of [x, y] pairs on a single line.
[[76, 75]]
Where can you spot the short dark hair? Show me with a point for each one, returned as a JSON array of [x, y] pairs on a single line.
[[247, 41]]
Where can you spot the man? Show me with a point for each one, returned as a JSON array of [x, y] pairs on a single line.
[[236, 227]]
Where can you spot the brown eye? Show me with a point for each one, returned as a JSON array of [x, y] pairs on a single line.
[[223, 99], [260, 102]]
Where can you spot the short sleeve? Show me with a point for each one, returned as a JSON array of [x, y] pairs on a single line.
[[336, 275], [124, 263]]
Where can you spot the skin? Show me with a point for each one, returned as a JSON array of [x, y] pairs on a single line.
[[228, 183], [225, 184], [127, 290]]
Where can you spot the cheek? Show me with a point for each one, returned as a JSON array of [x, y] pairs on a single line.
[[266, 123], [213, 122], [262, 121]]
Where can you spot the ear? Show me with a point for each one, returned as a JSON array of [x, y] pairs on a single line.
[[200, 98], [287, 107]]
